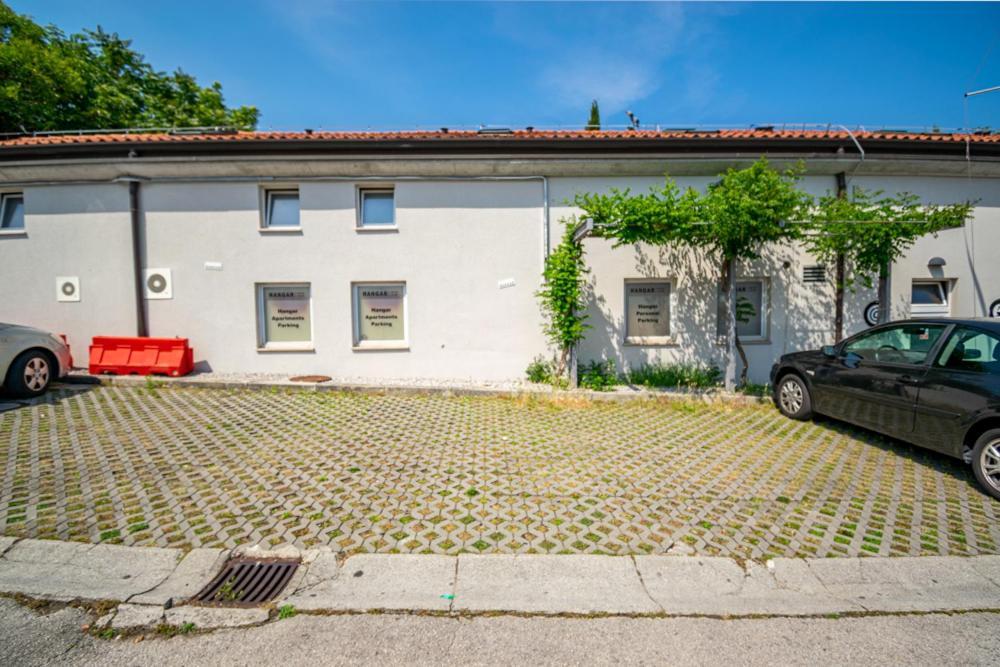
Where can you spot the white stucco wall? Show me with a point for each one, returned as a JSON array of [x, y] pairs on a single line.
[[456, 240], [71, 231]]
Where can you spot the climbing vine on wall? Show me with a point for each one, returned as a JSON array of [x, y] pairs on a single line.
[[563, 298]]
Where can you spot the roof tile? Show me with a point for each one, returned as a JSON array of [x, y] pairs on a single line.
[[131, 138]]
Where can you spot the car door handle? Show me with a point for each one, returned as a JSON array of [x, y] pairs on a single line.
[[906, 379]]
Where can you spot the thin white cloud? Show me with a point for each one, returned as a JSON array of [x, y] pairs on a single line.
[[610, 52]]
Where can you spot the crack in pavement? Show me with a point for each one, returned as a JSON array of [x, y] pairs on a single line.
[[642, 582]]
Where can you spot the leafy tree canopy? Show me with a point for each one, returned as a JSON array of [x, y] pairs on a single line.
[[733, 219], [873, 230], [94, 80]]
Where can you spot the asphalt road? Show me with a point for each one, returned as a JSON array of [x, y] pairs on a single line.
[[27, 638]]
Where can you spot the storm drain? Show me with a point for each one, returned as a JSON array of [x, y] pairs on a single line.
[[245, 582]]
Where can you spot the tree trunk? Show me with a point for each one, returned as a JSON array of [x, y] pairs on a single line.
[[743, 357], [884, 306], [729, 296], [838, 315], [838, 318], [562, 362], [573, 375]]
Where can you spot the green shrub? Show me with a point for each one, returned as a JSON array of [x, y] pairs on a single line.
[[539, 370], [684, 375], [752, 389], [598, 375]]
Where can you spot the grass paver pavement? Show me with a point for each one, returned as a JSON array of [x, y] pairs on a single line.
[[373, 473]]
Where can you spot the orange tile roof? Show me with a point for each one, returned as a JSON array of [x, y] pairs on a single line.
[[520, 135]]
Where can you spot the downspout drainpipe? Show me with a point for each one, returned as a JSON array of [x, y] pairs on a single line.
[[546, 243], [141, 326]]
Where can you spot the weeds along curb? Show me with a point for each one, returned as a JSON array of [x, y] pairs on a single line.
[[708, 397]]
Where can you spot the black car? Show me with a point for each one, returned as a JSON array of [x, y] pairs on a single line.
[[933, 382]]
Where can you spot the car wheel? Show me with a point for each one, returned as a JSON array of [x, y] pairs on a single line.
[[986, 461], [30, 374], [792, 397]]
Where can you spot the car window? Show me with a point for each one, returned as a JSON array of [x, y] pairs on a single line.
[[971, 350], [901, 344]]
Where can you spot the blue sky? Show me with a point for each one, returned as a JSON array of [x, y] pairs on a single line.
[[401, 65]]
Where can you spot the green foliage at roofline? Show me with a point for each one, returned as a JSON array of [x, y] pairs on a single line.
[[733, 219], [594, 122], [94, 80], [873, 230]]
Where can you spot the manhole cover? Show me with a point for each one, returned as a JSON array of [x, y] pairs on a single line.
[[246, 582], [311, 378]]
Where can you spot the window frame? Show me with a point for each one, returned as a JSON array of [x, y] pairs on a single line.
[[765, 323], [297, 346], [359, 345], [362, 192], [266, 193], [651, 341], [932, 310], [5, 197]]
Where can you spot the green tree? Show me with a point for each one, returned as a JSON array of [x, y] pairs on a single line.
[[731, 222], [563, 298], [595, 117], [871, 231], [94, 80]]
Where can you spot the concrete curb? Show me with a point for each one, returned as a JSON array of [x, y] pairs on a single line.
[[151, 584], [627, 394]]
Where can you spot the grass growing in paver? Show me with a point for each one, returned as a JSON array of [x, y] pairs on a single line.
[[436, 474]]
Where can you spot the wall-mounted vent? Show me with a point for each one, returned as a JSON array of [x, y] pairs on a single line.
[[157, 284], [67, 288], [814, 274]]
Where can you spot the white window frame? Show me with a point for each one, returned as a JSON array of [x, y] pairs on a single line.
[[765, 304], [651, 341], [5, 197], [265, 209], [299, 346], [365, 345], [932, 310], [364, 190]]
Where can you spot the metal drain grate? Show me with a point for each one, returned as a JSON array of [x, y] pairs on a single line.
[[245, 582]]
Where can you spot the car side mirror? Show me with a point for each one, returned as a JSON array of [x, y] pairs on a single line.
[[830, 351]]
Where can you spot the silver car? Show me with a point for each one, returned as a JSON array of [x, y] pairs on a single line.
[[30, 359]]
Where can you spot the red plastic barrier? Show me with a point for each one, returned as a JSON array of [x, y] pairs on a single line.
[[141, 356]]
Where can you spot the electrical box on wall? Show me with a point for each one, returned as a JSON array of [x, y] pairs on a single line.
[[157, 283], [67, 288]]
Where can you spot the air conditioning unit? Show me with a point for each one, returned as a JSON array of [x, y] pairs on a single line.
[[157, 284], [67, 288]]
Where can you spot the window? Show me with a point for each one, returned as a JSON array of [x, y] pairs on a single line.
[[647, 311], [751, 310], [971, 350], [284, 313], [281, 209], [901, 344], [378, 208], [380, 315], [12, 212], [929, 298]]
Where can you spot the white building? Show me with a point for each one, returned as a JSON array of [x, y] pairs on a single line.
[[418, 254]]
